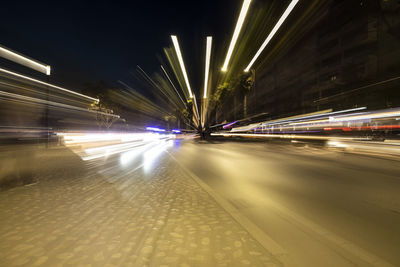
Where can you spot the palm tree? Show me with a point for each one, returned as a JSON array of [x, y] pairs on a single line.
[[247, 81]]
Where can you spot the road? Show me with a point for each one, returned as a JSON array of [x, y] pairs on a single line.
[[323, 207], [134, 208], [169, 203]]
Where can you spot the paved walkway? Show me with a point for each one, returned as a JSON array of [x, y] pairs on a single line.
[[75, 216]]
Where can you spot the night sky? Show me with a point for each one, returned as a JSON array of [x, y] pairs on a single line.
[[105, 40]]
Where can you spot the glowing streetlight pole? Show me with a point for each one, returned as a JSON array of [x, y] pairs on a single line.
[[239, 24], [207, 67], [272, 33], [179, 54], [17, 58]]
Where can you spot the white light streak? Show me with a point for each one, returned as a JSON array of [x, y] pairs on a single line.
[[90, 146], [151, 155], [376, 115], [272, 33], [51, 103], [289, 136], [169, 79], [129, 156], [10, 55], [301, 118], [48, 84], [207, 67], [179, 54], [239, 24]]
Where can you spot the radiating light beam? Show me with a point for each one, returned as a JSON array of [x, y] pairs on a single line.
[[239, 24], [179, 54], [207, 67], [51, 103], [196, 108], [169, 79], [23, 60], [48, 84], [272, 33]]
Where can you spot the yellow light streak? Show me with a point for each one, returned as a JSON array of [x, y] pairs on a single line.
[[239, 24], [207, 67], [272, 33], [169, 79], [10, 55], [179, 54]]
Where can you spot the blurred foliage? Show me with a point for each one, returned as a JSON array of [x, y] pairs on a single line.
[[101, 90], [247, 80], [223, 92], [237, 86]]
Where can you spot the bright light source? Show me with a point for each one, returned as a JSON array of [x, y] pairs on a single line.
[[48, 84], [334, 143], [155, 129], [151, 155], [272, 33], [229, 124], [242, 16], [179, 54], [207, 68], [10, 55], [48, 69]]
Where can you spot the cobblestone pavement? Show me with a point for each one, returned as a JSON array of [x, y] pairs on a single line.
[[97, 213]]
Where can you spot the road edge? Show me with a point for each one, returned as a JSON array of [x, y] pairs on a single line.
[[263, 239]]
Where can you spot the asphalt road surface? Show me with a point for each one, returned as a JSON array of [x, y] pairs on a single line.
[[323, 207]]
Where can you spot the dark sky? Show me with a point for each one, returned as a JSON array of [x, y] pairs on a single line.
[[105, 40]]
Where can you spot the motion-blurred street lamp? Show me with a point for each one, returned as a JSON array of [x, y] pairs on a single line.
[[272, 33], [182, 64], [33, 64], [207, 65], [206, 79], [24, 60], [239, 24]]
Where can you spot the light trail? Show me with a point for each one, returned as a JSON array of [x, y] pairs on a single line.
[[155, 85], [23, 60], [382, 120], [207, 65], [151, 155], [73, 138], [48, 84], [288, 136], [272, 33], [90, 146], [26, 99], [176, 90], [182, 64], [155, 129], [239, 24]]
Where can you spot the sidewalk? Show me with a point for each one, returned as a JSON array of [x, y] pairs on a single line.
[[76, 217]]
